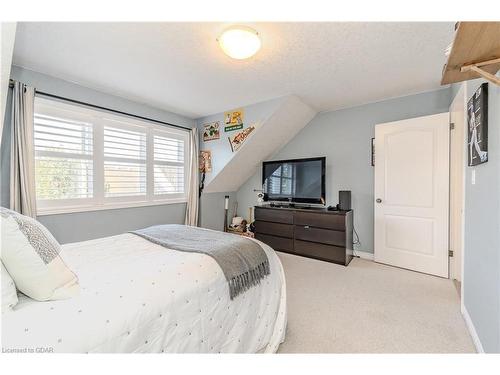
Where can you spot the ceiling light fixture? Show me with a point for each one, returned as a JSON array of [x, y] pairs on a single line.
[[240, 42]]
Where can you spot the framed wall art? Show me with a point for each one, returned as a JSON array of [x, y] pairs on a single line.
[[205, 162], [211, 131], [238, 139], [233, 120], [373, 152], [477, 130]]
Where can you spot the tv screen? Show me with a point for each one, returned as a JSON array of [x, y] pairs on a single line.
[[297, 180]]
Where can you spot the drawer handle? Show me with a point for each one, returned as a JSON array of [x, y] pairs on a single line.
[[306, 227]]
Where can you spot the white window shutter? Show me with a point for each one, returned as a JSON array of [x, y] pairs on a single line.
[[124, 162], [63, 158], [169, 165], [88, 159]]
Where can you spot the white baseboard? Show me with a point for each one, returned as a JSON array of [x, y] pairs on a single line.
[[472, 330], [363, 255]]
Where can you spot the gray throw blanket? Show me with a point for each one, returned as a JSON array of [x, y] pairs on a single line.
[[242, 260]]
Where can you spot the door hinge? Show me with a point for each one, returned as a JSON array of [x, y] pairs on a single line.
[[452, 125], [450, 253]]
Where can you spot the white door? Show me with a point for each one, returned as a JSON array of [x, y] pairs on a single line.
[[411, 194]]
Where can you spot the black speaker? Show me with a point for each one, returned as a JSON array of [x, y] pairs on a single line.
[[344, 200]]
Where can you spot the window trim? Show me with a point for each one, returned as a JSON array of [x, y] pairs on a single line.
[[110, 206], [99, 202]]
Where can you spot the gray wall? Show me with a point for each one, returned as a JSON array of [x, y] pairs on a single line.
[[80, 226], [344, 137], [481, 279], [87, 225], [212, 210]]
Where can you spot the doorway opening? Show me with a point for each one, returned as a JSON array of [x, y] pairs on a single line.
[[458, 150]]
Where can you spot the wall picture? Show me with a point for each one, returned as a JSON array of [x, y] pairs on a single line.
[[238, 139], [477, 121], [205, 161], [211, 131], [373, 152], [233, 120]]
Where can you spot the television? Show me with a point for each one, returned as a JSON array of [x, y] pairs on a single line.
[[294, 180]]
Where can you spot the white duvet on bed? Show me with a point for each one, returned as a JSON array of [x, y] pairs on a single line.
[[140, 297]]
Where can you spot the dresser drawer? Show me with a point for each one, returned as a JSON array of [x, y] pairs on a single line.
[[320, 251], [275, 229], [327, 221], [274, 215], [277, 243], [325, 236]]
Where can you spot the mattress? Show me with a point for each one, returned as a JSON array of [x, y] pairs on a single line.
[[140, 297]]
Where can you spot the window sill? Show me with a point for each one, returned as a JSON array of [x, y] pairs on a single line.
[[109, 206]]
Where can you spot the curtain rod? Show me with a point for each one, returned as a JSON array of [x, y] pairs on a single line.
[[11, 84]]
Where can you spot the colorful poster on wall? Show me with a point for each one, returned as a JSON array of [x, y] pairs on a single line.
[[211, 131], [233, 120], [205, 161], [238, 139], [477, 118], [230, 128]]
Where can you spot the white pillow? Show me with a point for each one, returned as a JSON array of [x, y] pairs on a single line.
[[31, 256], [9, 292]]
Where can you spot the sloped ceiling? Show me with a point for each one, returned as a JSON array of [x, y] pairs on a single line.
[[290, 116], [180, 67]]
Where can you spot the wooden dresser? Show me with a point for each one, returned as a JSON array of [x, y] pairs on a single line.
[[314, 233]]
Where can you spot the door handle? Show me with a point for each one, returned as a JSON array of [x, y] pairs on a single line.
[[378, 200]]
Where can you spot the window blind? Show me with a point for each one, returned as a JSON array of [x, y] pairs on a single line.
[[124, 162], [88, 159], [63, 158], [169, 171]]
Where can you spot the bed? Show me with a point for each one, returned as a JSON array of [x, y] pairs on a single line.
[[137, 296]]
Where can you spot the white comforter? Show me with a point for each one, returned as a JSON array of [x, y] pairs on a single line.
[[140, 297]]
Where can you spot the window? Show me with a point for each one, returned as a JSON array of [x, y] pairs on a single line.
[[64, 147], [168, 165], [87, 159], [281, 181], [124, 162]]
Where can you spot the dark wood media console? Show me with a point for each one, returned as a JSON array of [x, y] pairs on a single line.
[[310, 232]]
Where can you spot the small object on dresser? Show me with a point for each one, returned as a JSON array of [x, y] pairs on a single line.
[[260, 198], [344, 200]]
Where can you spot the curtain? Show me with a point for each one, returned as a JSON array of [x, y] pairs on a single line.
[[193, 196], [22, 157]]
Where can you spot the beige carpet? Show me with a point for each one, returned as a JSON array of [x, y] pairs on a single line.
[[370, 308]]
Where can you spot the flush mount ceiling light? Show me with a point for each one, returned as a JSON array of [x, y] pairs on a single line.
[[239, 42]]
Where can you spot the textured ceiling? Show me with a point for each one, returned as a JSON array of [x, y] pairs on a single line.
[[179, 66]]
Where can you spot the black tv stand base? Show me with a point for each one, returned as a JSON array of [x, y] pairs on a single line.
[[293, 206], [284, 205]]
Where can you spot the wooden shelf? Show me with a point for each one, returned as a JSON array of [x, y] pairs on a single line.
[[475, 53]]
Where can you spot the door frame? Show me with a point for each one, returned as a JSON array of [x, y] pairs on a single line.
[[459, 204]]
